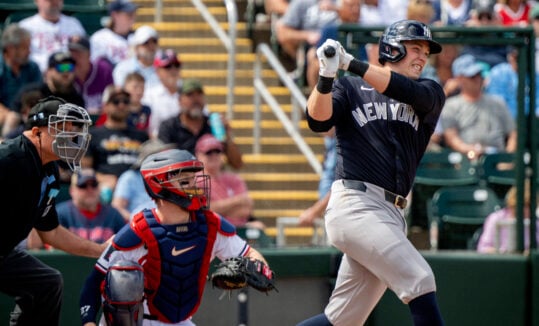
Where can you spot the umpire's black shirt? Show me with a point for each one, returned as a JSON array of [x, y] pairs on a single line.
[[27, 191]]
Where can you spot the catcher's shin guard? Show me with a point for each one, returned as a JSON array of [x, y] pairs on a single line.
[[124, 293]]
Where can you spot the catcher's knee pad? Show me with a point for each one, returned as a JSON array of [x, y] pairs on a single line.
[[123, 294]]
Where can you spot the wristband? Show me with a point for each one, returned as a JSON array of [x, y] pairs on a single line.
[[358, 67], [324, 85]]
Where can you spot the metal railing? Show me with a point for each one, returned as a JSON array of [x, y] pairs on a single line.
[[264, 51], [228, 41]]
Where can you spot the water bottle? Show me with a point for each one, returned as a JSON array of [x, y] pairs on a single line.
[[217, 128]]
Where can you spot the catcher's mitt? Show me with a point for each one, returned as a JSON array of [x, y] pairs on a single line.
[[238, 272]]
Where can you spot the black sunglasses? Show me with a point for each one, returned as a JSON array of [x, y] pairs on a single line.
[[117, 101], [213, 151], [91, 184]]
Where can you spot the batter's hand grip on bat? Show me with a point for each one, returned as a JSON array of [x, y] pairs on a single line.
[[329, 51]]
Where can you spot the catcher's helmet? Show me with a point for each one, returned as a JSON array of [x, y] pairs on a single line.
[[404, 30], [171, 175]]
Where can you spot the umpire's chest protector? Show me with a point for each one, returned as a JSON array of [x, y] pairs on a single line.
[[177, 263]]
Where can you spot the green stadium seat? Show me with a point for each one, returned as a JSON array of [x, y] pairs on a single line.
[[255, 237], [13, 5], [497, 170], [72, 6], [457, 212], [17, 16]]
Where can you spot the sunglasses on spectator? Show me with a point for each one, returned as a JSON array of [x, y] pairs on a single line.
[[91, 184], [118, 101], [64, 67], [175, 66], [213, 151]]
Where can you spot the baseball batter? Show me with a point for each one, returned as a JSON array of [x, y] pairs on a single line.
[[383, 121]]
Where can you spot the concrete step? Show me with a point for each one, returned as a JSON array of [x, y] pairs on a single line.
[[194, 29]]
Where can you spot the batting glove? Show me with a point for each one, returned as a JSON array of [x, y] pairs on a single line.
[[328, 66], [344, 58]]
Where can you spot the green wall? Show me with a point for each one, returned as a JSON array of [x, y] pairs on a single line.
[[472, 290]]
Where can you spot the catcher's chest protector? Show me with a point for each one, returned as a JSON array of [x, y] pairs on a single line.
[[177, 264]]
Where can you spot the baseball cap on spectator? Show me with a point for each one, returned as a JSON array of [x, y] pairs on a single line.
[[166, 58], [208, 143], [78, 42], [60, 57], [143, 34], [112, 91], [122, 5], [84, 176], [39, 113], [534, 12], [467, 66], [191, 85]]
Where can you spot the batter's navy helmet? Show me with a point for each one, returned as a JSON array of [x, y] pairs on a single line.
[[165, 177], [404, 30]]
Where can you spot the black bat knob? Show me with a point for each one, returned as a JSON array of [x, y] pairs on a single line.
[[329, 51]]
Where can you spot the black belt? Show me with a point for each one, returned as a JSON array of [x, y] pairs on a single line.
[[395, 199]]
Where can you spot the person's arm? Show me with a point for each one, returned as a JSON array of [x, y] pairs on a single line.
[[121, 206], [90, 298], [307, 217], [453, 141], [63, 239], [238, 205], [511, 145]]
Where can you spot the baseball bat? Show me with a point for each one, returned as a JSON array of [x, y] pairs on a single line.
[[329, 51]]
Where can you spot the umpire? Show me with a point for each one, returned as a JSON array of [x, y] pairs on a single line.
[[29, 179]]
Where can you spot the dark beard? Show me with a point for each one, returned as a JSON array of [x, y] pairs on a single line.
[[62, 89]]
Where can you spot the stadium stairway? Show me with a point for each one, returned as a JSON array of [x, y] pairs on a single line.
[[280, 180]]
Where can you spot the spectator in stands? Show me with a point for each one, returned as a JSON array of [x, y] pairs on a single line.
[[84, 214], [145, 44], [16, 69], [301, 24], [499, 229], [50, 30], [277, 7], [502, 80], [348, 12], [185, 129], [513, 12], [59, 80], [382, 12], [475, 123], [452, 12], [130, 196], [140, 113], [317, 210], [163, 96], [91, 77], [15, 122], [439, 69], [115, 145], [229, 195], [483, 16], [534, 21], [420, 10], [111, 42]]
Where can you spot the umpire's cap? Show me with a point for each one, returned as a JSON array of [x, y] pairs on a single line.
[[39, 114]]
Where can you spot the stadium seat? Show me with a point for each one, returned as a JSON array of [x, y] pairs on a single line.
[[13, 5], [255, 237], [497, 170], [17, 16], [436, 170], [457, 212]]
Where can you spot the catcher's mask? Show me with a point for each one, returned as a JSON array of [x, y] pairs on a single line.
[[390, 44], [68, 124], [123, 294], [173, 175]]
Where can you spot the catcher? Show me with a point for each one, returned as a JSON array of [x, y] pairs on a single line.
[[155, 270]]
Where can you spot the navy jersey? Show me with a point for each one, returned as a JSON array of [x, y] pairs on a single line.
[[382, 137]]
